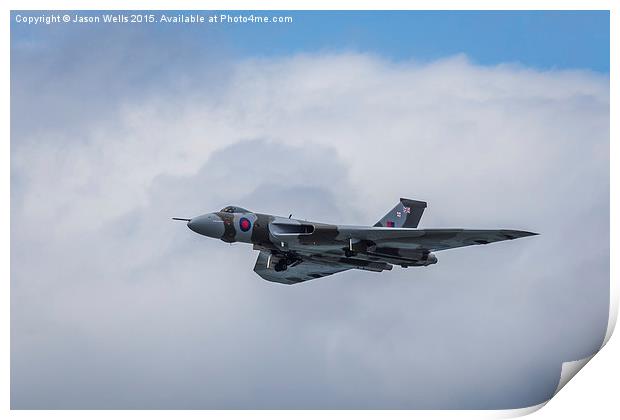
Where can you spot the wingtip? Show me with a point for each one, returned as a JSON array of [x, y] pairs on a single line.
[[515, 234]]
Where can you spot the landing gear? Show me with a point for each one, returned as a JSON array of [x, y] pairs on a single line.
[[286, 260], [281, 265], [348, 253]]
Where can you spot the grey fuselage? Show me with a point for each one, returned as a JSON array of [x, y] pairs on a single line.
[[291, 238]]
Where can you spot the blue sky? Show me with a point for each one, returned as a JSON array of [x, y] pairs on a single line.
[[540, 39]]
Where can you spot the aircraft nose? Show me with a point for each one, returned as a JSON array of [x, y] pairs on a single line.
[[208, 225]]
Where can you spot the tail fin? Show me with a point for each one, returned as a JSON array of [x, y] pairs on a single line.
[[406, 214]]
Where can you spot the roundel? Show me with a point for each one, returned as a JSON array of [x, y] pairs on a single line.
[[244, 224]]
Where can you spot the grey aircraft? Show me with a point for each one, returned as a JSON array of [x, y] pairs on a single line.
[[293, 251]]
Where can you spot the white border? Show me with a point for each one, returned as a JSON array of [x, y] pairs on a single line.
[[598, 395]]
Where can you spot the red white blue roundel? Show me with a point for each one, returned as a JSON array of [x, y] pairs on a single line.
[[244, 224]]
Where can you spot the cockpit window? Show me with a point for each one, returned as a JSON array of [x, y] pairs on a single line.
[[233, 209]]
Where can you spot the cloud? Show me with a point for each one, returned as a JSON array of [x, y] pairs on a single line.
[[116, 306]]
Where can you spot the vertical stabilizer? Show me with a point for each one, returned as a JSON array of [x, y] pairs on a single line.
[[406, 214]]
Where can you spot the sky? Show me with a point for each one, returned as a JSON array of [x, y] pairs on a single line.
[[497, 120]]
